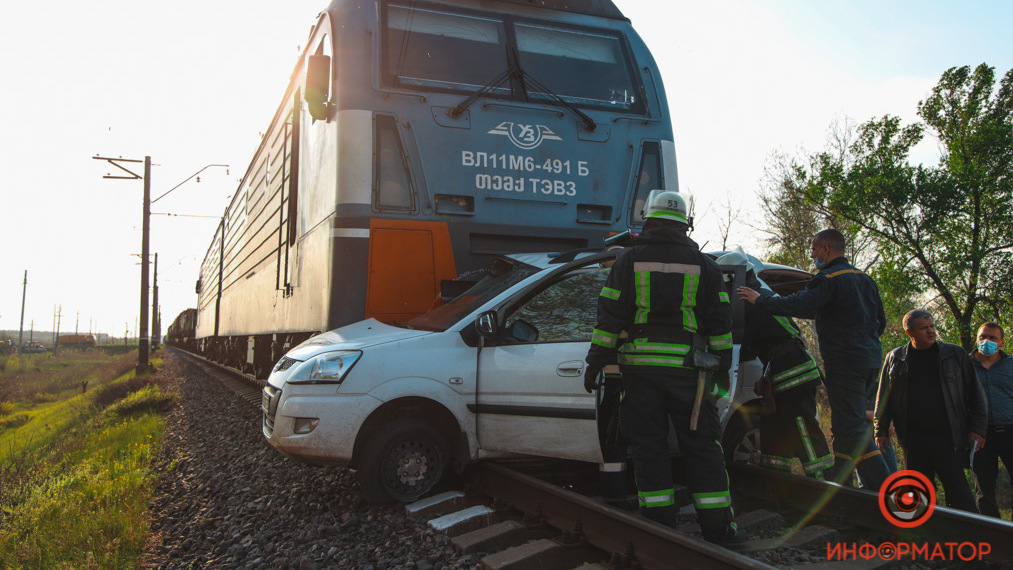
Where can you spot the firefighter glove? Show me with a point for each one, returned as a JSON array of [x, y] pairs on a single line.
[[591, 377], [720, 383]]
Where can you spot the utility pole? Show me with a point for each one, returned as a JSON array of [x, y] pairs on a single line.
[[77, 321], [21, 327], [156, 327], [59, 315], [142, 335], [143, 340]]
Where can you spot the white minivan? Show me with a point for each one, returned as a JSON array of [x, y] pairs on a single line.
[[497, 371]]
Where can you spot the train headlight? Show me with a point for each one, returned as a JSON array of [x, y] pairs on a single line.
[[326, 368]]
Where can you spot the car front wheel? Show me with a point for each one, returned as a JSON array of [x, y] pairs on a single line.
[[402, 461], [741, 440]]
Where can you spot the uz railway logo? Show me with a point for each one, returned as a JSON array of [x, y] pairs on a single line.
[[525, 137], [907, 499]]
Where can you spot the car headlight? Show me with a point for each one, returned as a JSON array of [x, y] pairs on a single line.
[[326, 368]]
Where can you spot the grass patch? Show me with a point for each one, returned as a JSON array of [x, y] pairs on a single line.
[[92, 510], [14, 420], [74, 474]]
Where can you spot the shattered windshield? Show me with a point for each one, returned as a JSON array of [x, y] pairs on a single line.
[[503, 274]]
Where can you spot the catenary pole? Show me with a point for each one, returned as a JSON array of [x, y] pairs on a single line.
[[21, 326]]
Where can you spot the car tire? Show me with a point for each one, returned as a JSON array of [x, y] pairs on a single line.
[[741, 440], [402, 461]]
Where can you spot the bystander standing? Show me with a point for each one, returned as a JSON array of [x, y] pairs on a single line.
[[929, 391], [995, 371]]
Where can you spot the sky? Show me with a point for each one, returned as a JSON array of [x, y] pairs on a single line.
[[193, 83]]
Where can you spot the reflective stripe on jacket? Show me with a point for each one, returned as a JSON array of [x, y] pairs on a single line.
[[662, 291], [775, 340]]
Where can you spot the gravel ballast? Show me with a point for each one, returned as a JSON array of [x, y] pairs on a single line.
[[226, 499]]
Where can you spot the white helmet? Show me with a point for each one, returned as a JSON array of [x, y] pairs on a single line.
[[736, 257], [733, 258], [666, 205]]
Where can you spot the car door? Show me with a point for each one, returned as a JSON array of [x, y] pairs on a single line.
[[531, 396]]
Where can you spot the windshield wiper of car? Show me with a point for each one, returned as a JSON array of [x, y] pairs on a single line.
[[514, 70]]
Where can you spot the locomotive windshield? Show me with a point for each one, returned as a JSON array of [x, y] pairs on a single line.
[[442, 51]]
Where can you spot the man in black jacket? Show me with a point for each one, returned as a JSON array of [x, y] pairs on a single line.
[[931, 393], [849, 321], [670, 299]]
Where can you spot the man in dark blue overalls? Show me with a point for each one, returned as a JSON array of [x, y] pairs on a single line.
[[849, 321]]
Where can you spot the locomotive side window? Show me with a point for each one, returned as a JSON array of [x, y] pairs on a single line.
[[393, 187], [450, 51], [583, 67], [648, 178]]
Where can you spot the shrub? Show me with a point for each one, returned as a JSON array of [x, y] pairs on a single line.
[[116, 391], [148, 398], [42, 398], [6, 408], [15, 420], [12, 364]]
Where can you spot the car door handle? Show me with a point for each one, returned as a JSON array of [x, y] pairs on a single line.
[[570, 368]]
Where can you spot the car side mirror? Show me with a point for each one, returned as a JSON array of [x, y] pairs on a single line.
[[318, 85], [485, 324]]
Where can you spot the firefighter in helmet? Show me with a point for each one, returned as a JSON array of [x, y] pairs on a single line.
[[670, 299], [788, 424]]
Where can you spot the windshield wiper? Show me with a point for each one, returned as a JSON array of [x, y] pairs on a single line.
[[514, 70]]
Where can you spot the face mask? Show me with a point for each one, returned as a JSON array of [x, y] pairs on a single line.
[[819, 263], [987, 347]]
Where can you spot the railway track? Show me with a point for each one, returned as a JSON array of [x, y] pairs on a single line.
[[245, 385], [545, 518]]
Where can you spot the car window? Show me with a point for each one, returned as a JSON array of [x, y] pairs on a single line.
[[564, 311]]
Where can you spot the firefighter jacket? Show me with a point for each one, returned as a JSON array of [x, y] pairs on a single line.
[[848, 310], [666, 294], [963, 396], [775, 340]]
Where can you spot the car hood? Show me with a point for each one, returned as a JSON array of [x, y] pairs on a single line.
[[356, 336]]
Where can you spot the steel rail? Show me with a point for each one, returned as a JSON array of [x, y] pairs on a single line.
[[813, 498], [604, 527]]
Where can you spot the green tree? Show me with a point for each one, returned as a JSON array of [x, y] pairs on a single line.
[[946, 229]]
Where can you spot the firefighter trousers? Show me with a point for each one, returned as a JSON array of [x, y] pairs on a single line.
[[793, 431], [651, 401]]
